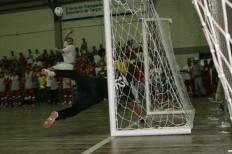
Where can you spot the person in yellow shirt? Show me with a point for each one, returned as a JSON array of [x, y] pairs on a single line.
[[42, 87]]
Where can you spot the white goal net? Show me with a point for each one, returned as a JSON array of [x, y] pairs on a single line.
[[216, 19], [146, 93]]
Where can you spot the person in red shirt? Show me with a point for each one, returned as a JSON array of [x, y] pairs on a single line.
[[206, 78]]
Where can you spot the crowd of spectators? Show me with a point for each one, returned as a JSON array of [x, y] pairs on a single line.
[[21, 81], [200, 77]]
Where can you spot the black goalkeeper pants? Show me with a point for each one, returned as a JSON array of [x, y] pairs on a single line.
[[90, 92]]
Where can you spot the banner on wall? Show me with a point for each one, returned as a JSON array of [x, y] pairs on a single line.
[[83, 10]]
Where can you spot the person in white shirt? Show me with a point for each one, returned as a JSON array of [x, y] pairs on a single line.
[[68, 53], [53, 90], [15, 98], [36, 55], [186, 75], [29, 96]]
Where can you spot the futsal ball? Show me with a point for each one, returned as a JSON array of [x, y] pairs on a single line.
[[58, 11]]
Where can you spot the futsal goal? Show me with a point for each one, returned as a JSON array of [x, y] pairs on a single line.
[[216, 20], [146, 92]]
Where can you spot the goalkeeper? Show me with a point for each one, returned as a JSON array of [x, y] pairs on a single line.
[[68, 53], [91, 90]]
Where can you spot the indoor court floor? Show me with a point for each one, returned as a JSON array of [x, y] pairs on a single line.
[[21, 131]]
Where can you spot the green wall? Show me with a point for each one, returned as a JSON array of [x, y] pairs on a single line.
[[185, 27], [35, 29], [23, 30], [90, 29]]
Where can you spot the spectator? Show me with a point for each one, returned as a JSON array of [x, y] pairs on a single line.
[[22, 61], [29, 53], [42, 88], [37, 55], [44, 57], [197, 79], [97, 57], [13, 57], [67, 90], [35, 83], [206, 78], [29, 96], [3, 97], [213, 76], [101, 51], [15, 97], [52, 58], [186, 74], [53, 90], [84, 46]]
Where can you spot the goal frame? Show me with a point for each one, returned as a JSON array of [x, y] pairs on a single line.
[[186, 129]]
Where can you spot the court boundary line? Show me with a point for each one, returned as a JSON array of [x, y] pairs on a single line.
[[97, 146]]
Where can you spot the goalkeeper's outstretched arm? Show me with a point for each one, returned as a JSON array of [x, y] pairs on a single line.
[[66, 35]]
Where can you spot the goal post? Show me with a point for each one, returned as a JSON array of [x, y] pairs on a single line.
[[146, 92], [215, 17]]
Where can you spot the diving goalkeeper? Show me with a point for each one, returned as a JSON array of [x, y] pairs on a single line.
[[91, 90]]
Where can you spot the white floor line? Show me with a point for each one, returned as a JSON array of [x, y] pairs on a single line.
[[97, 146]]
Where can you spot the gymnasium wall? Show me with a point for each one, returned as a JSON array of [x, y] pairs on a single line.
[[185, 28], [24, 30], [90, 29], [187, 37], [35, 29]]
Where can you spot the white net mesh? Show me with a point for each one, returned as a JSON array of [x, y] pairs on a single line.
[[149, 91], [216, 19]]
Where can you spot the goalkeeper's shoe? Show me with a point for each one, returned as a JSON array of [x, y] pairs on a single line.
[[51, 119]]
